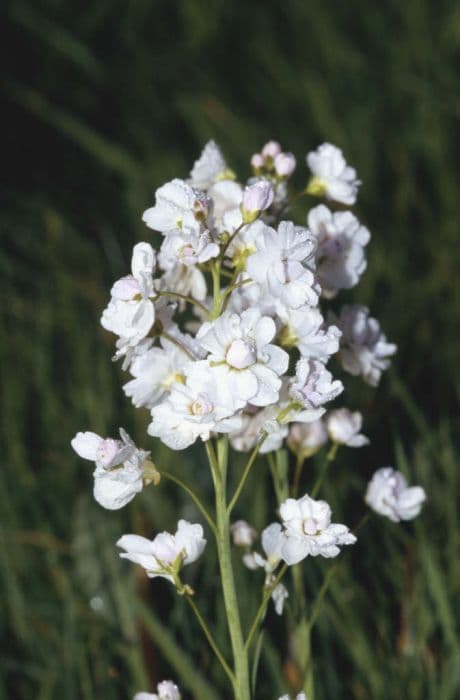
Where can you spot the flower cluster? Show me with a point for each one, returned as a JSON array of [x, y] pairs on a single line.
[[226, 324], [221, 329]]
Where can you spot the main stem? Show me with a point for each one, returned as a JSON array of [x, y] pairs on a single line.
[[241, 684]]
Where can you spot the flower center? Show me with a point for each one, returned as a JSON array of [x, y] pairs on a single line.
[[172, 379], [240, 355], [202, 406], [310, 526]]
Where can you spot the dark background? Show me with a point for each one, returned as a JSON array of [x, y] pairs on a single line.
[[102, 103]]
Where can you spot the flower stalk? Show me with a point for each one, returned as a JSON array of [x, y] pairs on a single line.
[[218, 464]]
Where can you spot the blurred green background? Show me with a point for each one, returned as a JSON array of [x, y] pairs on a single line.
[[102, 103]]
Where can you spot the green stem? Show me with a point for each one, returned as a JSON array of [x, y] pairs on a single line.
[[268, 590], [194, 496], [210, 638], [218, 464], [245, 473], [215, 271], [183, 297]]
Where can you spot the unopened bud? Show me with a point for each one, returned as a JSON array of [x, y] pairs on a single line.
[[271, 149], [256, 198], [285, 164]]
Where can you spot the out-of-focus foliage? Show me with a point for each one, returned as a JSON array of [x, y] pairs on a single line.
[[104, 101]]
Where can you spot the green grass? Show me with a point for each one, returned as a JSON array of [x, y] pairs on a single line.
[[102, 102]]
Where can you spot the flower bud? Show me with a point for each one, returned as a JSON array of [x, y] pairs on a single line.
[[285, 164], [243, 534], [257, 161], [256, 198], [271, 149]]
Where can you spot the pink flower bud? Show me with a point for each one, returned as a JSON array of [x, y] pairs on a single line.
[[285, 164], [257, 161], [271, 149], [258, 197]]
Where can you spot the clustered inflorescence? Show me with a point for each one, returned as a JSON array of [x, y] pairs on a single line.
[[227, 326]]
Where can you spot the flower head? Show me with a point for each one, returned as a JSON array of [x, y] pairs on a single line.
[[313, 385], [279, 262], [131, 313], [340, 254], [209, 167], [344, 427], [241, 352], [177, 206], [121, 467], [332, 177], [364, 349], [389, 495], [305, 328], [308, 530], [165, 554], [199, 404]]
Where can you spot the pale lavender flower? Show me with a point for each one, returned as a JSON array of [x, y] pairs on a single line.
[[389, 495]]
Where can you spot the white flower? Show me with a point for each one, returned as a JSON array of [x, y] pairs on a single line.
[[243, 534], [309, 531], [332, 177], [194, 409], [256, 198], [166, 553], [307, 438], [279, 262], [241, 353], [120, 466], [131, 313], [245, 242], [388, 494], [209, 167], [227, 196], [305, 328], [340, 255], [187, 248], [364, 348], [177, 206], [313, 386], [285, 164], [154, 372], [279, 595], [344, 427], [166, 690]]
